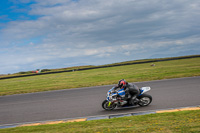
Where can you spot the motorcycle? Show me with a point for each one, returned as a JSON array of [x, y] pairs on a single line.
[[116, 99]]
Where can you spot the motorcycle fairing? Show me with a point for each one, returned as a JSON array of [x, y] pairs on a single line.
[[121, 92], [144, 89]]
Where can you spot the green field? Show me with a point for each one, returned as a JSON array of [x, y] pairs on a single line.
[[101, 76], [176, 122]]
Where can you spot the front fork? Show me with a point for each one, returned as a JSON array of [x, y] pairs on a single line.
[[109, 103], [113, 102]]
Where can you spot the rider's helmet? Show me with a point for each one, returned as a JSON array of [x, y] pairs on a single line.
[[122, 83]]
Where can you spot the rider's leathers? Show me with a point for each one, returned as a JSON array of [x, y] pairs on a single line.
[[131, 89]]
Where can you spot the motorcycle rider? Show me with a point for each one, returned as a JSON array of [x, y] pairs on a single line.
[[129, 88]]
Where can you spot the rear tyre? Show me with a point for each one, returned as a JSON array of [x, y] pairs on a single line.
[[106, 107], [145, 100]]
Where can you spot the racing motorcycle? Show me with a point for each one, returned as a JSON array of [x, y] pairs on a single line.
[[116, 99]]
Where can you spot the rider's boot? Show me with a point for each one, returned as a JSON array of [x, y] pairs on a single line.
[[133, 100]]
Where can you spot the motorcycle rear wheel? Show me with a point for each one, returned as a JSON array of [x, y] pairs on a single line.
[[106, 107], [145, 100]]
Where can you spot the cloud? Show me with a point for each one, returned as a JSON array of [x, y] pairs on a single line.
[[84, 32]]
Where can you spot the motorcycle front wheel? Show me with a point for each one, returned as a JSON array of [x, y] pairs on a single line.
[[105, 105], [145, 100]]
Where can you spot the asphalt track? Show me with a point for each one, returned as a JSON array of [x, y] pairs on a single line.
[[84, 102]]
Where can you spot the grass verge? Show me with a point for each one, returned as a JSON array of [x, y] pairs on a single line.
[[182, 121], [101, 76]]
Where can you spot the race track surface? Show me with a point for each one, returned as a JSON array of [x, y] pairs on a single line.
[[83, 102]]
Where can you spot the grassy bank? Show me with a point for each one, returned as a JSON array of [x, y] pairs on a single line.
[[78, 68], [183, 121], [101, 76]]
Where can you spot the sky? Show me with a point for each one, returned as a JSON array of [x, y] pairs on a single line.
[[49, 34]]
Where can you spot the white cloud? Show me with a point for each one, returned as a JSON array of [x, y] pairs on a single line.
[[117, 30]]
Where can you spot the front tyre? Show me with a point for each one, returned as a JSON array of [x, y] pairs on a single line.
[[145, 100], [105, 105]]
